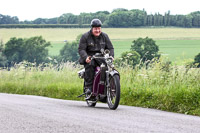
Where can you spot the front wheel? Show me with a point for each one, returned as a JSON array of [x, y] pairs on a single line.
[[113, 93]]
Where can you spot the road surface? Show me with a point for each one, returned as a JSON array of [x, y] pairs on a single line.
[[34, 114]]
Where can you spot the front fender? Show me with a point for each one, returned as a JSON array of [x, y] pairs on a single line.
[[114, 72], [111, 74]]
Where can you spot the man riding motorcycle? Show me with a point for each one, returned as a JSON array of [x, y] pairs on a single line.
[[91, 43]]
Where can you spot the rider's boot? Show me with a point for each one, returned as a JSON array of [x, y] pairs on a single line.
[[88, 92]]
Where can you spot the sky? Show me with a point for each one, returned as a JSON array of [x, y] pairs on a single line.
[[32, 9]]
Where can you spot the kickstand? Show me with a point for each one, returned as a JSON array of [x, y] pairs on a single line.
[[81, 95]]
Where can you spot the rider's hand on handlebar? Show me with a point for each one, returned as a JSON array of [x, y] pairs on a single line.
[[113, 58], [88, 59]]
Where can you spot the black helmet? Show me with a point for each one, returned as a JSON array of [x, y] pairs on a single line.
[[96, 23]]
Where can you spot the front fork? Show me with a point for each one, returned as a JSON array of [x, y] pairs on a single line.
[[107, 83]]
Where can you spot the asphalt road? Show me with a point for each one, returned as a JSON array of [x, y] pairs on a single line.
[[34, 114]]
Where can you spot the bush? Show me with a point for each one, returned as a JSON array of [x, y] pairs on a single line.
[[33, 49], [146, 47], [131, 58], [197, 60], [70, 51], [3, 59]]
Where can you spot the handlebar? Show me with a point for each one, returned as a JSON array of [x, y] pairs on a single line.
[[104, 55]]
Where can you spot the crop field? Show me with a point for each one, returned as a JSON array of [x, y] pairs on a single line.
[[174, 43], [175, 50]]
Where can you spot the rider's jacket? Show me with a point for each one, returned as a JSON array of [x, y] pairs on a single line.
[[89, 45]]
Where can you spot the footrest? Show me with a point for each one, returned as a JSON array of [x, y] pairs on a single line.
[[81, 95]]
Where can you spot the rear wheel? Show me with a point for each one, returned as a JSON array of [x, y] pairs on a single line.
[[113, 93]]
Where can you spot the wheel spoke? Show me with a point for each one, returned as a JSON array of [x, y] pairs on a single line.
[[112, 92]]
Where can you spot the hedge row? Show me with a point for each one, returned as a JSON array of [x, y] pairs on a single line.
[[44, 26]]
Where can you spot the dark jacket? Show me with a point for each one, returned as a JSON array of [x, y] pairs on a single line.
[[89, 45]]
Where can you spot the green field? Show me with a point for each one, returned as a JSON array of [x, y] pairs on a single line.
[[175, 43], [173, 49]]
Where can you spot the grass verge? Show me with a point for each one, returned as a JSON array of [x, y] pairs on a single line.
[[170, 88]]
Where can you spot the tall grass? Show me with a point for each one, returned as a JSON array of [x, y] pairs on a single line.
[[52, 81], [160, 85]]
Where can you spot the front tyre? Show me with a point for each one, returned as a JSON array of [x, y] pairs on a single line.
[[113, 93]]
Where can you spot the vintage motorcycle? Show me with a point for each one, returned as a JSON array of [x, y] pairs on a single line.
[[106, 84]]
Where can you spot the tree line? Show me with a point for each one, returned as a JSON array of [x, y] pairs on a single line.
[[117, 18]]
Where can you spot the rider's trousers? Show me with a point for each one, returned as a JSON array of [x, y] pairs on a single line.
[[90, 72]]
